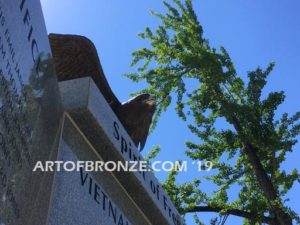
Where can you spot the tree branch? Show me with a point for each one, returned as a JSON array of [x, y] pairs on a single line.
[[234, 212]]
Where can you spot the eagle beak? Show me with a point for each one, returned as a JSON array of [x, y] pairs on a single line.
[[151, 101]]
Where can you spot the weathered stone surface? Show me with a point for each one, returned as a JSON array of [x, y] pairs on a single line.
[[30, 113]]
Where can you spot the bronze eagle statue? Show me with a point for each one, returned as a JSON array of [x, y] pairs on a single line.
[[74, 57]]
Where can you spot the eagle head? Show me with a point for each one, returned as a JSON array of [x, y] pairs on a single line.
[[136, 116]]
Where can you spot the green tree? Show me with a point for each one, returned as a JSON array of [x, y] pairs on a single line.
[[249, 151]]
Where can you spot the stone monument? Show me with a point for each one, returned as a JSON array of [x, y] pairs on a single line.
[[31, 113], [70, 121]]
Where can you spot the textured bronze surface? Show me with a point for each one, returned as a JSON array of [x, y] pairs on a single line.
[[76, 57]]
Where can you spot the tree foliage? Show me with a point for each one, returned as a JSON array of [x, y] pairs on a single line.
[[180, 64]]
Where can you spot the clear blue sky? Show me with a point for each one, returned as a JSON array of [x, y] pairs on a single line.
[[254, 32]]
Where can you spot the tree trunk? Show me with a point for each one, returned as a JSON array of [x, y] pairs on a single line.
[[264, 181]]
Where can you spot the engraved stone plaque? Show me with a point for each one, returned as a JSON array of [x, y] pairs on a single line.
[[90, 112], [88, 197], [30, 113], [78, 199]]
